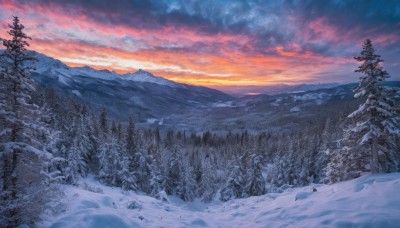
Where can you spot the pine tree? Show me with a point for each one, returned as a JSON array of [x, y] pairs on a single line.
[[207, 186], [370, 140], [234, 186], [155, 177], [76, 167], [186, 187], [110, 163], [141, 169], [79, 151], [174, 171], [255, 182], [23, 134], [128, 180], [324, 151], [131, 137], [103, 124]]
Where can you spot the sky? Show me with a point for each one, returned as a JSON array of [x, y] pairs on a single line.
[[214, 42]]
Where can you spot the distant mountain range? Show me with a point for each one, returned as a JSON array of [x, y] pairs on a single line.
[[141, 93], [51, 66], [156, 101], [274, 89]]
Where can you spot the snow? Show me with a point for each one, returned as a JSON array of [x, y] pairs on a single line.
[[223, 104], [276, 102], [151, 120], [47, 65], [319, 98], [77, 93], [90, 72], [369, 201], [143, 76], [295, 109]]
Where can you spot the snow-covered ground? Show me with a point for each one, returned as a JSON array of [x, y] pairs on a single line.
[[369, 201]]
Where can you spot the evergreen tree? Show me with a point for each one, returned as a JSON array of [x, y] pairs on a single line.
[[371, 136], [156, 181], [131, 137], [173, 172], [141, 169], [128, 180], [255, 182], [186, 187], [234, 186], [23, 134], [112, 164], [103, 124], [324, 151], [76, 167], [207, 186], [79, 151]]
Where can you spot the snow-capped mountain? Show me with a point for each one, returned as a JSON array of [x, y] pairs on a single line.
[[144, 76], [149, 97], [167, 104], [46, 65]]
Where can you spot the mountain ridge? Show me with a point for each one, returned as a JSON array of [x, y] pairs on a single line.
[[46, 64], [186, 106]]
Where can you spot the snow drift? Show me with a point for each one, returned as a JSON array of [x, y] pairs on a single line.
[[369, 201]]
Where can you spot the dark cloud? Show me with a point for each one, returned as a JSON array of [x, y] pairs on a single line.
[[333, 28], [263, 19]]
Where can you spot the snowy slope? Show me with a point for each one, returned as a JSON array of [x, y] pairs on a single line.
[[369, 201]]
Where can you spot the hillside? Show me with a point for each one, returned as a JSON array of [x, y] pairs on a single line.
[[369, 201]]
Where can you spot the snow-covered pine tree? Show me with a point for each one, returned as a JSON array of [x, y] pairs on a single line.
[[234, 186], [324, 150], [23, 135], [132, 140], [156, 181], [369, 143], [92, 126], [128, 180], [255, 182], [76, 162], [207, 186], [174, 171], [103, 124], [141, 169], [79, 151], [186, 188], [114, 160], [109, 160], [156, 177], [283, 171]]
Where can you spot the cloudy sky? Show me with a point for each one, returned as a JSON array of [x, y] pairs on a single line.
[[214, 43]]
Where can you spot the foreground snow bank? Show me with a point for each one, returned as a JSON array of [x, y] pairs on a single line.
[[369, 201]]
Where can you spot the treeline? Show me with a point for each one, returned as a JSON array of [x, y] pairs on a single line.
[[187, 164]]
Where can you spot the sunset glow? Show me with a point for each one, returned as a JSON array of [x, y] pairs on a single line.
[[213, 44]]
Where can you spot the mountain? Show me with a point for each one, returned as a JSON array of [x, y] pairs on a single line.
[[274, 89], [144, 76], [47, 65], [280, 112], [156, 101], [149, 97]]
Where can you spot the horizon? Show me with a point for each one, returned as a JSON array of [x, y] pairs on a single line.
[[240, 44]]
